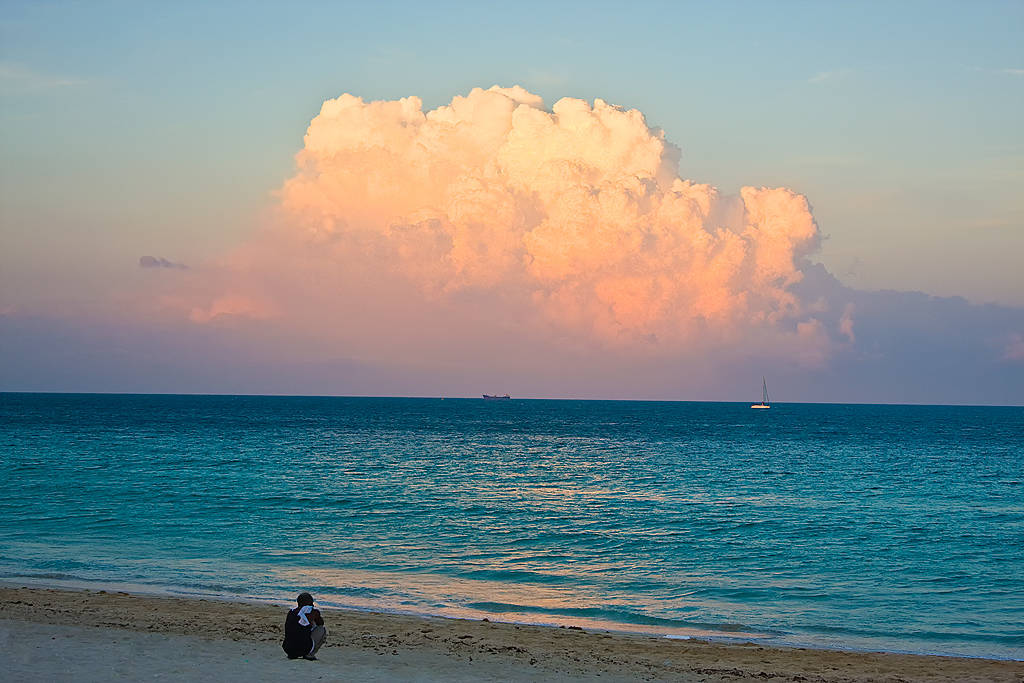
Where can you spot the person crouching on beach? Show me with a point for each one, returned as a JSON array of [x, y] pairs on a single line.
[[304, 630]]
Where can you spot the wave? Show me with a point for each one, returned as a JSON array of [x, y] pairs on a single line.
[[613, 616]]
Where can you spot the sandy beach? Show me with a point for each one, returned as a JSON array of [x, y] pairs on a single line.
[[56, 635]]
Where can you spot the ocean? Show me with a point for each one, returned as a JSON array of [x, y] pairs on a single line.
[[868, 527]]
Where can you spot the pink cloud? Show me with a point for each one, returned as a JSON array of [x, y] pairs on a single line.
[[846, 323], [577, 214], [1014, 349], [493, 222]]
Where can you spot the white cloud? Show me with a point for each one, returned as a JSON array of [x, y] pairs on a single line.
[[19, 78], [1010, 72], [827, 76]]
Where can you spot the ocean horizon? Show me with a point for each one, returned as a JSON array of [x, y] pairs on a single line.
[[870, 527]]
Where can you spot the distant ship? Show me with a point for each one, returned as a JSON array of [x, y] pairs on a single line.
[[764, 396], [488, 397]]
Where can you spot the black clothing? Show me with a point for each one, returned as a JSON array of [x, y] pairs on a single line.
[[297, 639]]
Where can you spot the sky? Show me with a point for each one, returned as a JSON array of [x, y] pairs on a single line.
[[644, 200]]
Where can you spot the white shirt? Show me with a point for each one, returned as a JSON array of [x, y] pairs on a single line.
[[303, 613]]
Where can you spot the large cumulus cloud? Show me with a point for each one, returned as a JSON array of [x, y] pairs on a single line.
[[575, 218], [496, 245]]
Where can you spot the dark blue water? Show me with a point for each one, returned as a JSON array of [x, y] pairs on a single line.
[[881, 527]]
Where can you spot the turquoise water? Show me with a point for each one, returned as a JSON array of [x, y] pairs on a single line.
[[897, 528]]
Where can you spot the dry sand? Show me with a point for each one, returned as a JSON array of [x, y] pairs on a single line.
[[51, 635]]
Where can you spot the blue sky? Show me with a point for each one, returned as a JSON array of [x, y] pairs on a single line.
[[165, 129]]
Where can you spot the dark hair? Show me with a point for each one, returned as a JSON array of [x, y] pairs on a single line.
[[304, 599]]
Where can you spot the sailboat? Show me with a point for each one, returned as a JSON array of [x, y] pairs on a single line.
[[764, 396]]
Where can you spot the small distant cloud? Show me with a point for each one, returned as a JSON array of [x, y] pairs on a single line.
[[20, 78], [233, 307], [153, 262], [1010, 72], [1014, 347], [846, 323], [545, 78], [826, 76]]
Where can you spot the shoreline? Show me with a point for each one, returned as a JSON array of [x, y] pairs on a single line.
[[444, 648], [587, 623], [591, 625]]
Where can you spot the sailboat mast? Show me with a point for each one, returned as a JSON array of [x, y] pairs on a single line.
[[764, 395]]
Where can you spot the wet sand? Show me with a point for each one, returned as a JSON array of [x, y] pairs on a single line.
[[56, 635]]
